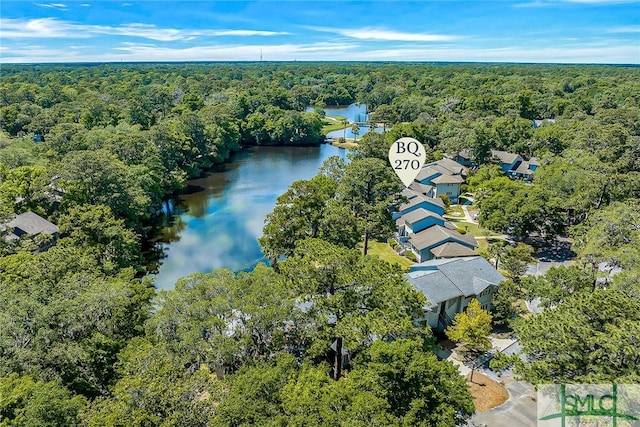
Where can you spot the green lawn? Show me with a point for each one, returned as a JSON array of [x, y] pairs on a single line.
[[454, 211], [384, 251], [472, 228], [332, 123]]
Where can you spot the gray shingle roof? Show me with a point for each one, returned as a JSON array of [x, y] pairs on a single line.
[[523, 168], [452, 250], [428, 171], [450, 165], [448, 179], [419, 214], [443, 279], [434, 285], [507, 158], [437, 235], [31, 223], [421, 188], [422, 199]]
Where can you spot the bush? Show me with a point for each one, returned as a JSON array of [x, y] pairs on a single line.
[[392, 242], [410, 255], [446, 200], [461, 230]]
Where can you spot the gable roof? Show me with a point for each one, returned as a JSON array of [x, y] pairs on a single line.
[[505, 157], [436, 235], [421, 188], [534, 161], [523, 169], [450, 165], [448, 179], [417, 215], [452, 250], [419, 198], [443, 279], [31, 223], [429, 172]]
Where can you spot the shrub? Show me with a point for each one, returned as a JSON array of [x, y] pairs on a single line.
[[410, 255]]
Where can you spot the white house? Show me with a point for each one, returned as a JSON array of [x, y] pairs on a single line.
[[450, 284]]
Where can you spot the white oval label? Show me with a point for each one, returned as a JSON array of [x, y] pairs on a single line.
[[407, 157]]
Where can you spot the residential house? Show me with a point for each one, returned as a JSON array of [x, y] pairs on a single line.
[[508, 161], [464, 158], [418, 220], [32, 225], [445, 176], [430, 243], [419, 201], [450, 284]]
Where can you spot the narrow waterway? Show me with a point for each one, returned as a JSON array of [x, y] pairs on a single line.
[[216, 221]]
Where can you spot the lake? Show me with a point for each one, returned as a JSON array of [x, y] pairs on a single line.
[[354, 113], [216, 221]]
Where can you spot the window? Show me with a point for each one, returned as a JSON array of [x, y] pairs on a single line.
[[450, 303]]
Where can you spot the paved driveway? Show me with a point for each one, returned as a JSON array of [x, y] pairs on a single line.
[[519, 411]]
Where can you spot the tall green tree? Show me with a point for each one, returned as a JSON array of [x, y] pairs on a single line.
[[419, 389], [153, 389], [350, 299], [28, 402], [369, 187], [591, 337], [64, 320], [306, 210], [223, 320]]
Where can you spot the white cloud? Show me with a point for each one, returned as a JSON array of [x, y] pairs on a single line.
[[615, 54], [626, 29], [369, 33], [54, 28], [53, 5]]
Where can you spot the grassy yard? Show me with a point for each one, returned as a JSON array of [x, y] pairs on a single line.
[[454, 211], [332, 123], [472, 228], [384, 251]]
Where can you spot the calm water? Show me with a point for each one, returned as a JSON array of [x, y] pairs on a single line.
[[220, 216], [354, 112]]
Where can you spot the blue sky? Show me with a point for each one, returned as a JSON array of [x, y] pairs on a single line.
[[565, 31]]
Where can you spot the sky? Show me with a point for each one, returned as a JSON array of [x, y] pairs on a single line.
[[538, 31]]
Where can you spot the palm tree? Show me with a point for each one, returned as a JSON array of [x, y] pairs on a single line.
[[356, 130], [497, 250], [344, 134]]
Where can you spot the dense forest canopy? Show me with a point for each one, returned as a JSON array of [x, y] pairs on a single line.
[[96, 148]]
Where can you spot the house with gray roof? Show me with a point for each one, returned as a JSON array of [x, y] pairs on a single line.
[[445, 176], [418, 220], [508, 161], [33, 226], [418, 201], [428, 243], [450, 284]]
